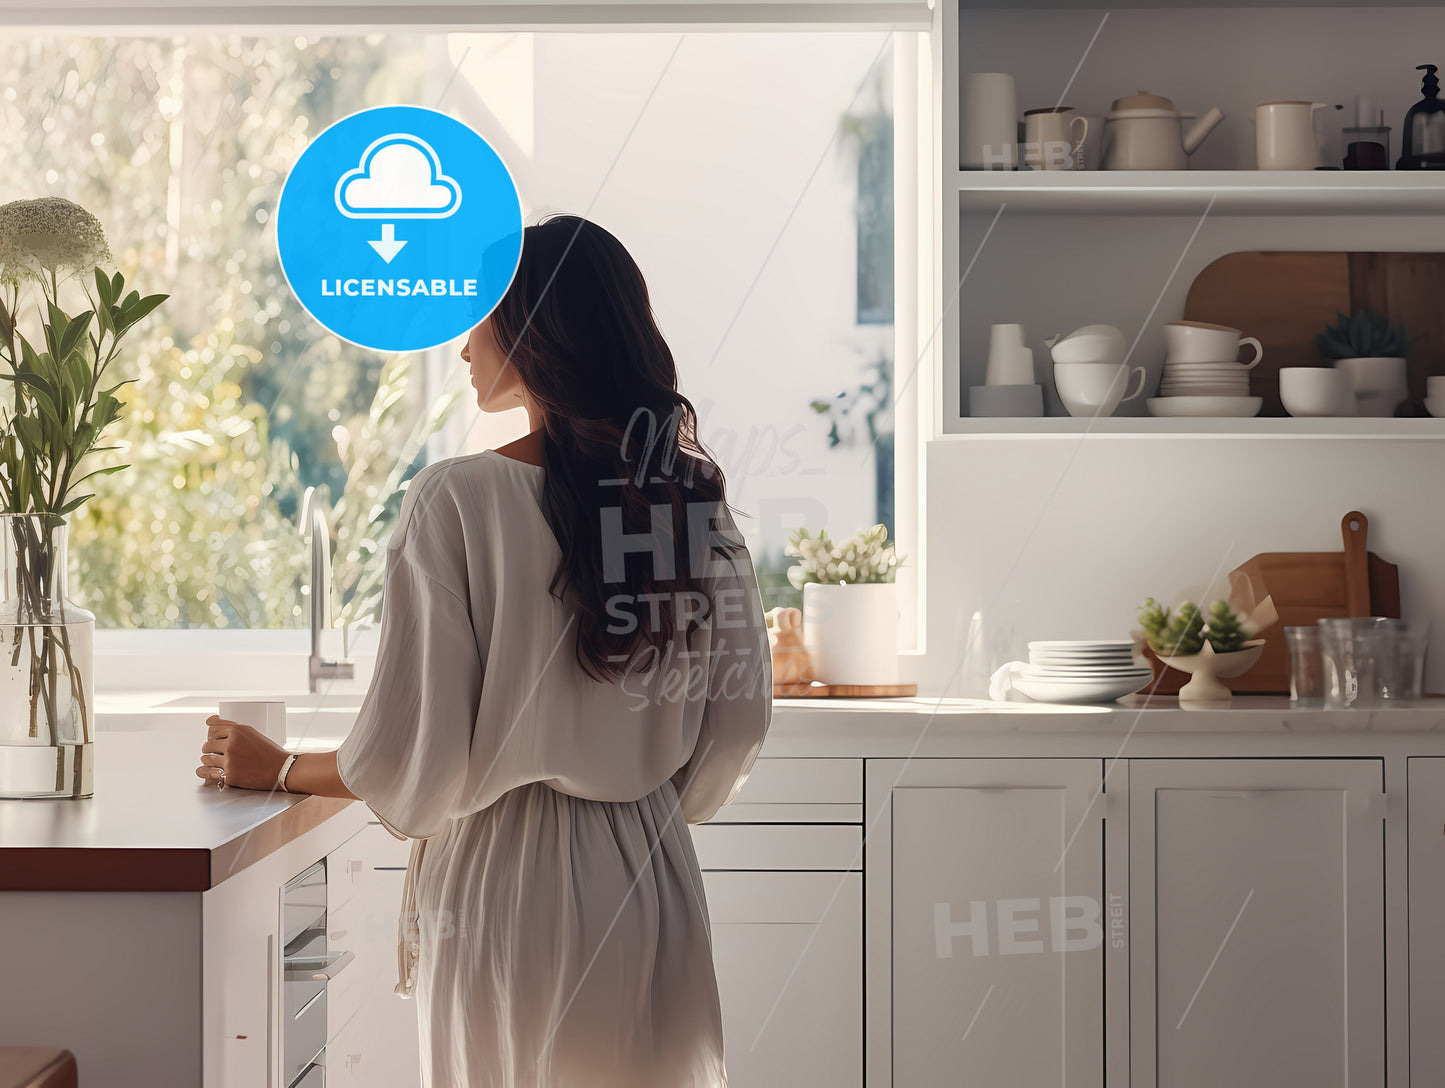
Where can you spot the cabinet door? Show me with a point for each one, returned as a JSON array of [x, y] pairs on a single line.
[[1257, 892], [788, 950], [986, 922], [373, 1031], [1426, 793]]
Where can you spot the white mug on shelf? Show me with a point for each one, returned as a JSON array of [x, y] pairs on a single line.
[[988, 122], [1284, 135], [1009, 361], [265, 715], [1201, 342], [1054, 138]]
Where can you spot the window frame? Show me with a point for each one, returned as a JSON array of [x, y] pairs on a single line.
[[149, 654]]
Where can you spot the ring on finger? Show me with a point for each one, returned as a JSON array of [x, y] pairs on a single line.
[[221, 778]]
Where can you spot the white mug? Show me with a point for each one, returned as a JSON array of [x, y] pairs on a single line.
[[1009, 361], [1284, 135], [1054, 140], [1201, 342], [1096, 389], [988, 122], [265, 715]]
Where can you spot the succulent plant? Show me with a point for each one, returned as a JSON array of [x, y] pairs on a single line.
[[1186, 631], [865, 557], [1224, 630], [1365, 334]]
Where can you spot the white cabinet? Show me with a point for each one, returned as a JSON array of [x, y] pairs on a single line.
[[372, 1030], [1427, 920], [986, 922], [781, 869], [1257, 899], [787, 950]]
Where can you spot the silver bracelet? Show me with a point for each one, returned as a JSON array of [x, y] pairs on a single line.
[[285, 770]]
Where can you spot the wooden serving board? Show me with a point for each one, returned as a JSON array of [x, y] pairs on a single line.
[[843, 691], [1309, 586]]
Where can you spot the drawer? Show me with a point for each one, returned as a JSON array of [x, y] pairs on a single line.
[[803, 782], [778, 846]]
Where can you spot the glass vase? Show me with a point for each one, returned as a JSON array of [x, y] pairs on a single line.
[[47, 693]]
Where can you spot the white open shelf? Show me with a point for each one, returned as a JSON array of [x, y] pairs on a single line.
[[1235, 192], [1150, 427]]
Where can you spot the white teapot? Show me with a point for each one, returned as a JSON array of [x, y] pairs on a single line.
[[1144, 132]]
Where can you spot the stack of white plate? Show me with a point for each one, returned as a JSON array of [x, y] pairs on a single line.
[[1081, 672], [1205, 389], [1205, 380]]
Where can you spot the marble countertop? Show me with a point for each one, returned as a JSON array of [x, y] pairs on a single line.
[[151, 825]]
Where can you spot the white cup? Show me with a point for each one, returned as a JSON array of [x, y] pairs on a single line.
[[1054, 137], [1314, 390], [1201, 342], [265, 715], [1285, 135], [1009, 361], [1095, 389], [988, 122], [1435, 387]]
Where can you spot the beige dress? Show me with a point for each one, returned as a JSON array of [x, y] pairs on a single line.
[[554, 929]]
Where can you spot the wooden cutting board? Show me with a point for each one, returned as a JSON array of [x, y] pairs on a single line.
[[815, 690], [1309, 586]]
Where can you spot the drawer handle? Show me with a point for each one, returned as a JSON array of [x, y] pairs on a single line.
[[316, 968]]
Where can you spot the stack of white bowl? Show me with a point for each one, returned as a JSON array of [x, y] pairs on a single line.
[[1081, 672]]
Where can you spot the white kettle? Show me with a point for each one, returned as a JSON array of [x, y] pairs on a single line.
[[1145, 132]]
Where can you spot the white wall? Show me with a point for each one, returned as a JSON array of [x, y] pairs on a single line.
[[738, 205]]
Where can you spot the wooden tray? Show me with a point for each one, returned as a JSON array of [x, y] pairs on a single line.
[[1305, 587], [843, 691]]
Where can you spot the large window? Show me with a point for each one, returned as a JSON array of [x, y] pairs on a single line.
[[749, 173]]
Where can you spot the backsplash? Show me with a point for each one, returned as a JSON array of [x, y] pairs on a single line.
[[1061, 538]]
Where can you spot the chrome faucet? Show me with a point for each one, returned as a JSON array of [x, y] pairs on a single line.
[[313, 523]]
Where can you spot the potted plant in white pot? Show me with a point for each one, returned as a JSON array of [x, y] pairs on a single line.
[[49, 430], [850, 604], [1372, 352]]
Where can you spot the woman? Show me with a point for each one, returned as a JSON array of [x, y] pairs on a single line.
[[572, 665]]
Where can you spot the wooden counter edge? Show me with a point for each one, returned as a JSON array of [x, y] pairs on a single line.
[[158, 869], [36, 1067]]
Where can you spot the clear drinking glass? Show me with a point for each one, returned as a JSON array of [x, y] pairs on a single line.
[[1306, 666], [1412, 641], [1358, 655]]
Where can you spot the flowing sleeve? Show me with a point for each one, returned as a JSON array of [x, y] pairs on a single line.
[[738, 707], [407, 754]]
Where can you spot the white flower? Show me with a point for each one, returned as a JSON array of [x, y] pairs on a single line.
[[50, 235]]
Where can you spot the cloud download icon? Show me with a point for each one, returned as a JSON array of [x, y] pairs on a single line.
[[399, 164], [400, 177]]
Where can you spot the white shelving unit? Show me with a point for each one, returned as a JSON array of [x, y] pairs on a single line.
[[1272, 427], [1234, 192], [1093, 216]]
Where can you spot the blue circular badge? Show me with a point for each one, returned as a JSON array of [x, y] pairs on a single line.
[[399, 228]]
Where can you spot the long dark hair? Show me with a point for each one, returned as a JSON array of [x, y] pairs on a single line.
[[621, 449]]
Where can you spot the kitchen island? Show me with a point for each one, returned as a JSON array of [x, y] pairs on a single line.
[[139, 928]]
